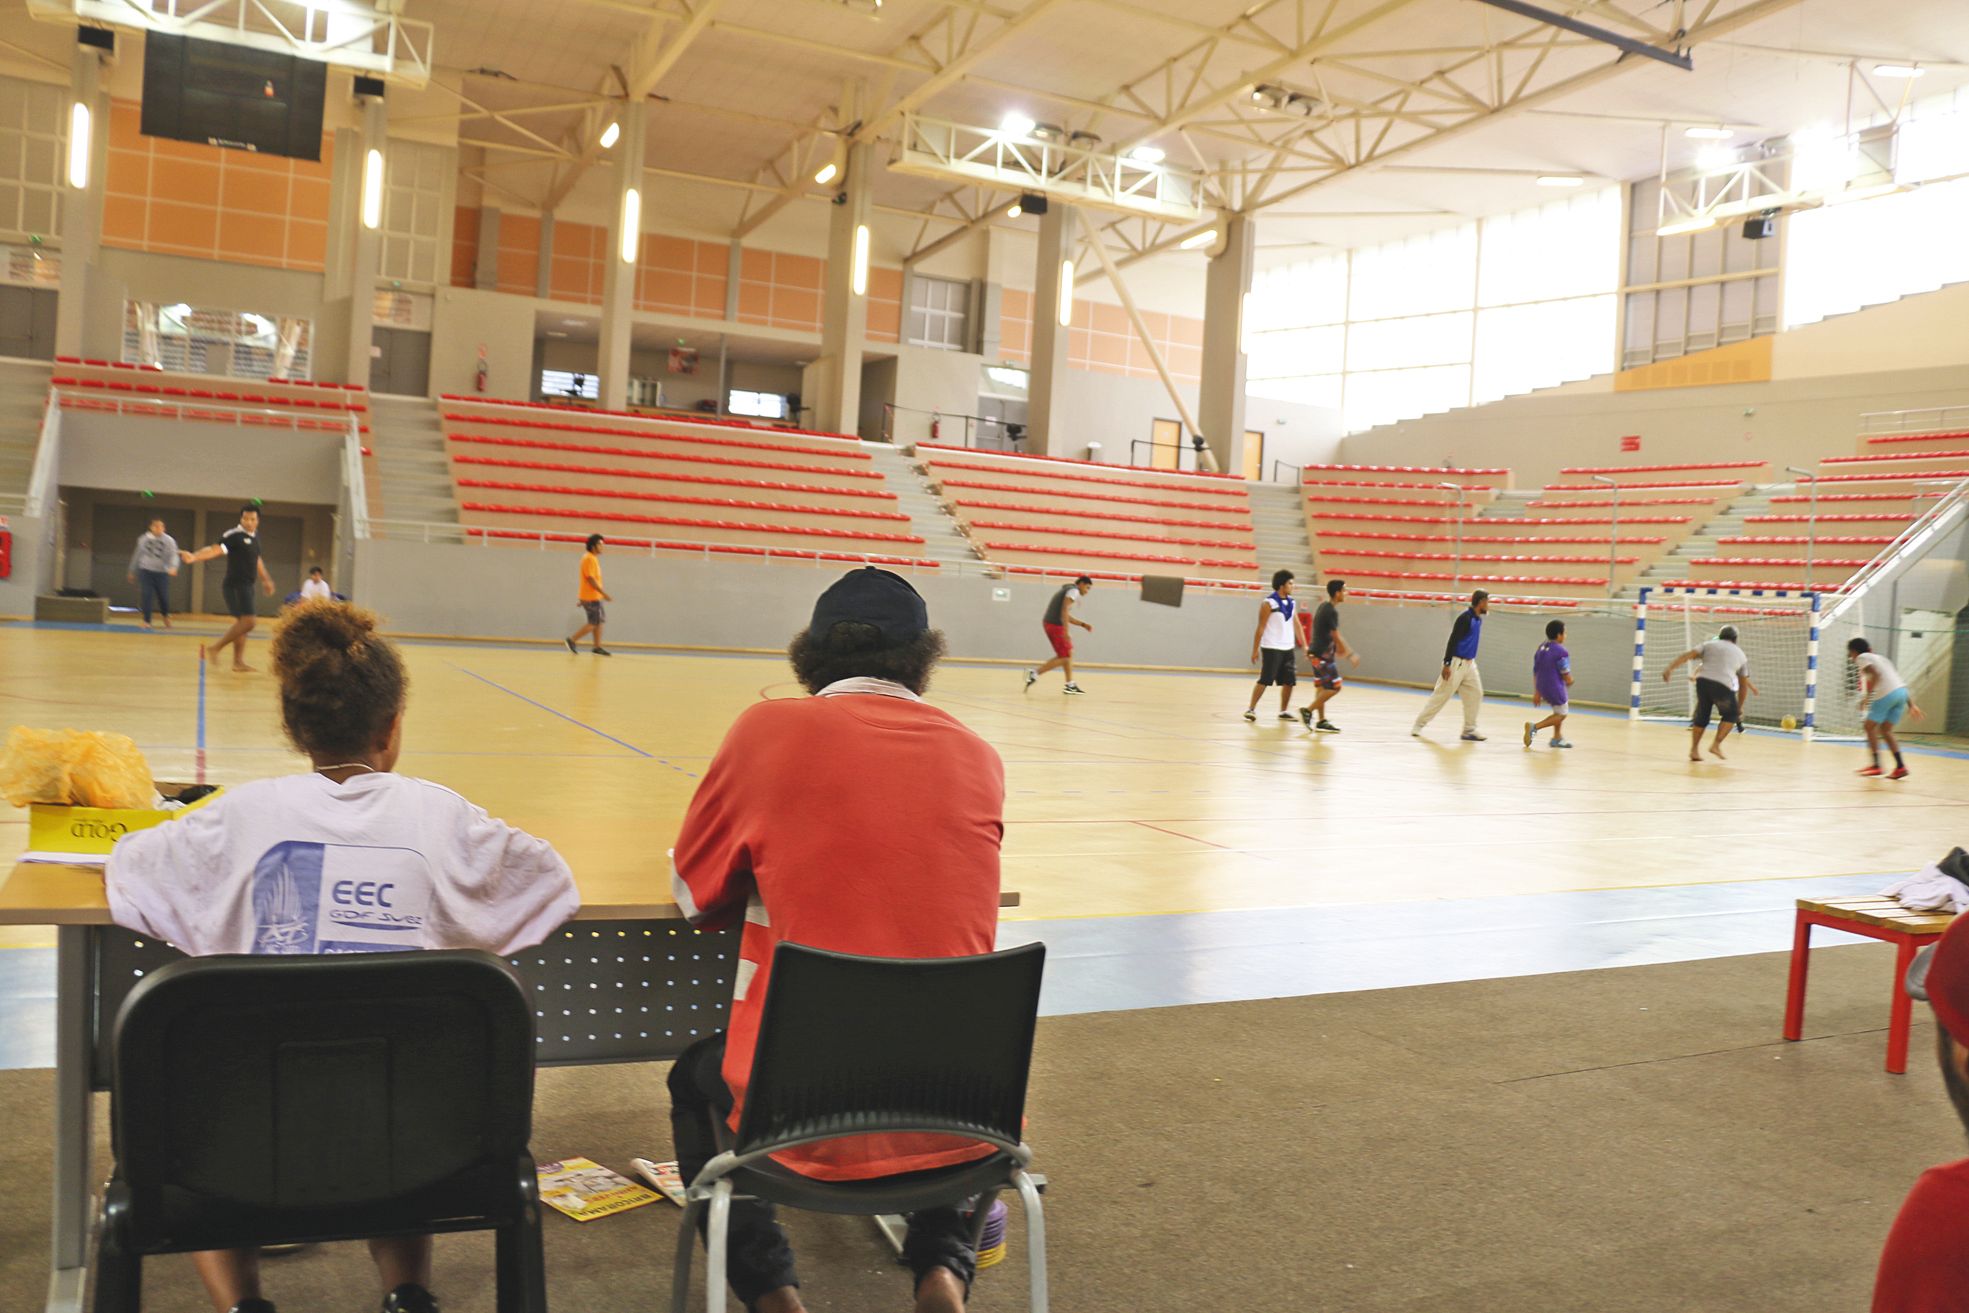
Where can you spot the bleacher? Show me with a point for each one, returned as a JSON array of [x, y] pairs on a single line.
[[1054, 516], [528, 472]]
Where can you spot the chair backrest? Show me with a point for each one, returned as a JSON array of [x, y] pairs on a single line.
[[320, 1083], [858, 1045]]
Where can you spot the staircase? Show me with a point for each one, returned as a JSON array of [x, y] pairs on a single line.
[[1726, 523], [411, 471], [942, 539], [23, 396], [1278, 529]]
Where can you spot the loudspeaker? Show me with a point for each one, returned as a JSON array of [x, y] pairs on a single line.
[[368, 86], [1032, 202], [1756, 229], [99, 37]]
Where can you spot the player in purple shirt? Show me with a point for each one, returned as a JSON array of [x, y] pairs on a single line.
[[1551, 676]]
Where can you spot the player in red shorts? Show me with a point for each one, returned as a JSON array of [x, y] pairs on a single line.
[[1059, 614]]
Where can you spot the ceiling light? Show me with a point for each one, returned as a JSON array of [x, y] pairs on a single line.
[[1066, 293], [858, 274], [1016, 124], [1147, 155], [1899, 70], [1198, 240], [632, 224], [1716, 159], [1560, 180], [372, 189], [826, 174], [1708, 134], [611, 134], [1048, 132], [80, 146], [1089, 140], [1694, 224], [1013, 211], [1267, 96]]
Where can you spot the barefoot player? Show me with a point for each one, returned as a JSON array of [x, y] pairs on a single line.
[[1059, 614], [1721, 671], [240, 545]]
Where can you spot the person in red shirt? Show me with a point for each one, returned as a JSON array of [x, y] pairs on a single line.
[[1925, 1265], [861, 820]]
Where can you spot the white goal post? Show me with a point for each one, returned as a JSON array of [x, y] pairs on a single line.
[[1778, 631]]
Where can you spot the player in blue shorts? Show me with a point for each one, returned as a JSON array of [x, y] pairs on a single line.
[[1882, 686]]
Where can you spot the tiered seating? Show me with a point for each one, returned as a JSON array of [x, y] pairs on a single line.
[[1696, 488], [531, 472], [1941, 440], [1067, 516], [289, 403]]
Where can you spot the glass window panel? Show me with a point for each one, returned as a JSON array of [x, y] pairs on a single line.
[[1911, 243], [1397, 394], [1296, 351], [1401, 343], [1312, 390], [1424, 274]]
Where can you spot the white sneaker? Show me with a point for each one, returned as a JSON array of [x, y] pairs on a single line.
[[1072, 688], [1032, 677], [1471, 736], [1560, 743], [1251, 715]]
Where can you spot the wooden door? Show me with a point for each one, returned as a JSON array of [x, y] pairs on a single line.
[[1167, 437], [1254, 454]]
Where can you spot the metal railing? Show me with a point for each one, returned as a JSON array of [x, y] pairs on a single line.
[[355, 481], [208, 412], [1135, 446], [1298, 471], [1916, 537], [44, 483], [984, 432], [1939, 419]]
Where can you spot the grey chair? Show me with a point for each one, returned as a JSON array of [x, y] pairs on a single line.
[[866, 1046]]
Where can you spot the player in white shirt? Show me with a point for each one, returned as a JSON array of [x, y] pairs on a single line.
[[1276, 644], [1722, 678], [316, 588], [347, 858], [1882, 686]]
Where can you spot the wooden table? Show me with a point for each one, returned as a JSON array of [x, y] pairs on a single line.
[[627, 980], [1873, 917]]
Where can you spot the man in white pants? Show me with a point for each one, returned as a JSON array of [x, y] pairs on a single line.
[[1459, 675]]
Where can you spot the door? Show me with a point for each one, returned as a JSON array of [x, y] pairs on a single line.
[[280, 552], [27, 323], [113, 534], [1166, 435], [403, 368], [1254, 454]]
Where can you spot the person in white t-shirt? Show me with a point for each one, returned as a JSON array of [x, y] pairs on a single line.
[[1275, 647], [347, 858], [1722, 677], [1881, 686], [316, 588]]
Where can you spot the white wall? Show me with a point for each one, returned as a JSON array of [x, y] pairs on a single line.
[[464, 319], [183, 458], [930, 380]]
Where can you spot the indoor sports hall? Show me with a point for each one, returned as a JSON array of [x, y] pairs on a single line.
[[1343, 447]]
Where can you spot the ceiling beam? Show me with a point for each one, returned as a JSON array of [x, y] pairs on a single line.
[[1677, 58], [956, 67]]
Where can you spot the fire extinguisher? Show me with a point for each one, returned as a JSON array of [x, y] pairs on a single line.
[[936, 426], [478, 378]]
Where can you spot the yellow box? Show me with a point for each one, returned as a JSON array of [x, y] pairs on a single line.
[[52, 829]]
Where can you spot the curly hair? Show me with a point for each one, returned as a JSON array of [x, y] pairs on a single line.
[[856, 651], [341, 684]]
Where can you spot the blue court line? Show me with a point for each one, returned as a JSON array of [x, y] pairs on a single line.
[[571, 720]]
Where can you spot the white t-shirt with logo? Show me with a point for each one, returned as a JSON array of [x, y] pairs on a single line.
[[1278, 625], [301, 864], [1721, 661], [1886, 679]]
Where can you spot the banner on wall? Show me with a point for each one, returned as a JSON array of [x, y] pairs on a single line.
[[683, 360]]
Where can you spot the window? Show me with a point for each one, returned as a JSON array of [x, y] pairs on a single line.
[[938, 313], [202, 340], [760, 405], [563, 383], [33, 155], [415, 182]]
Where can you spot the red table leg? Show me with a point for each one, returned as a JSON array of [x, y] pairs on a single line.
[[1801, 957], [1899, 1014]]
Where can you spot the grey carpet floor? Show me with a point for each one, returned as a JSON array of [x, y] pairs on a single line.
[[1628, 1139]]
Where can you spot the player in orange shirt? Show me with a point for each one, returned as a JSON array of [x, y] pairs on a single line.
[[592, 597]]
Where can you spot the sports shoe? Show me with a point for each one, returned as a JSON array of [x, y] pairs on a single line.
[[1871, 771], [1285, 715], [1306, 716], [410, 1298], [1529, 733], [1032, 677], [602, 651], [1327, 727], [1471, 736], [1072, 688], [252, 1306], [570, 645], [1560, 743], [1898, 773], [1251, 715], [1415, 733]]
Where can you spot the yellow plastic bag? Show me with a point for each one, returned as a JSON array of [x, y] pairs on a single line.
[[74, 768]]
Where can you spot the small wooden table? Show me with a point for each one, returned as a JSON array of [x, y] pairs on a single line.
[[1874, 917], [628, 980]]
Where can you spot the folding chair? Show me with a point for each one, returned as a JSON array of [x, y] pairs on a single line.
[[873, 1045]]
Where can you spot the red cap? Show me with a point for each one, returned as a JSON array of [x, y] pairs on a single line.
[[1941, 975]]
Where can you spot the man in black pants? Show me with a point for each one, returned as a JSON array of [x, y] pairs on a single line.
[[1722, 676], [240, 545]]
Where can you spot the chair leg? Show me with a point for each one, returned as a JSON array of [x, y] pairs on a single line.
[[119, 1274], [680, 1281], [1035, 1237], [1900, 1009], [1801, 962], [714, 1247]]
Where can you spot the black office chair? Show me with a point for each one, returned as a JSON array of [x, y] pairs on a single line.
[[872, 1045], [267, 1100]]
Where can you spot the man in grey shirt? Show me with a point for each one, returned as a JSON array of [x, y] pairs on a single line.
[[1722, 678], [152, 566]]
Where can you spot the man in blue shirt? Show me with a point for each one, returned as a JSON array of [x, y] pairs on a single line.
[[1460, 670]]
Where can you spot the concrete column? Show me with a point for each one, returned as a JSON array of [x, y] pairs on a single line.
[[843, 311], [82, 207], [344, 195], [1220, 392], [619, 275], [1059, 227], [366, 248]]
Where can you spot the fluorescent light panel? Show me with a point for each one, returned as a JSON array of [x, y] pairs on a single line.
[[1016, 124], [80, 146], [372, 189], [1066, 293], [1197, 241], [860, 279], [1560, 180], [632, 225], [611, 134], [1899, 70]]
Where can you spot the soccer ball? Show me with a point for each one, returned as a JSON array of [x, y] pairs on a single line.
[[1789, 722]]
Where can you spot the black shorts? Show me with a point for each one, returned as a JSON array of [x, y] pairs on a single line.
[[1710, 694], [239, 599], [596, 614], [1280, 666]]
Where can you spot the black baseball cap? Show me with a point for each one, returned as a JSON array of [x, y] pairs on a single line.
[[873, 597]]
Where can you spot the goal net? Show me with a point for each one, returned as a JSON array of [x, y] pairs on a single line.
[[1775, 635]]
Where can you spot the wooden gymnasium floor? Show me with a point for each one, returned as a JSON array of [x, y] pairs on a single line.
[[1169, 851]]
